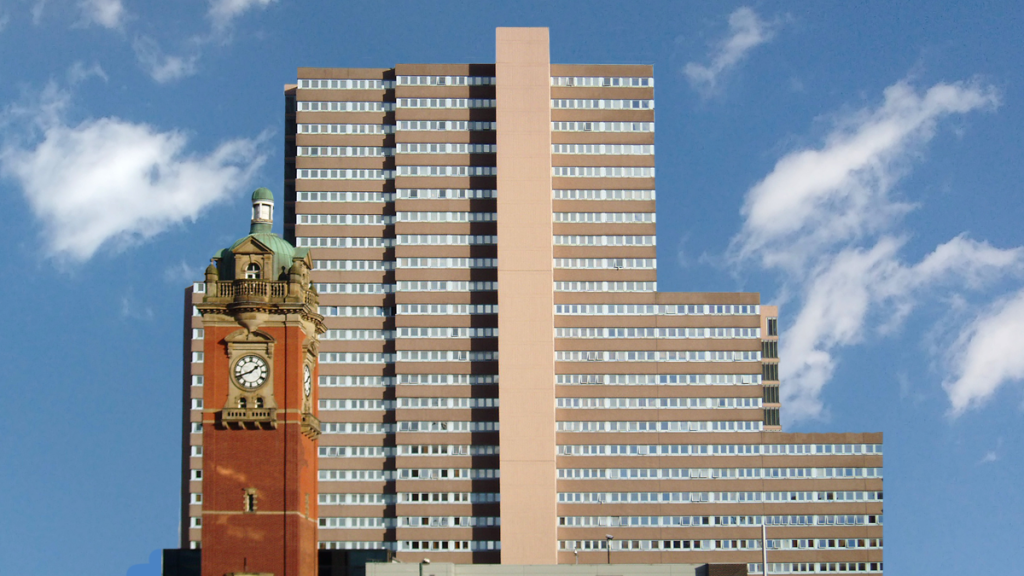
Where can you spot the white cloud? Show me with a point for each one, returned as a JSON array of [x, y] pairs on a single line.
[[5, 19], [106, 13], [162, 67], [989, 457], [826, 219], [108, 183], [183, 273], [817, 198], [223, 12], [989, 354], [746, 32]]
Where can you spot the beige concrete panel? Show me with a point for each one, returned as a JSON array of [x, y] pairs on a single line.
[[598, 70], [467, 182], [442, 298], [484, 274], [444, 70], [307, 185], [602, 184], [446, 368], [526, 324], [564, 275], [457, 321], [441, 251], [475, 344], [600, 93], [338, 208], [443, 227], [602, 137], [430, 136], [344, 73], [481, 159], [372, 163], [340, 139], [446, 205], [478, 114], [602, 160], [341, 117]]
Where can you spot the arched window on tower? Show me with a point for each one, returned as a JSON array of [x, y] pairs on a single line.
[[252, 271], [259, 402], [241, 403]]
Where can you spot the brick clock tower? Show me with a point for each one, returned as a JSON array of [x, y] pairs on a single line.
[[260, 426]]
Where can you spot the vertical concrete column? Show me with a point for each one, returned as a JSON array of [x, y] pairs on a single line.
[[526, 333]]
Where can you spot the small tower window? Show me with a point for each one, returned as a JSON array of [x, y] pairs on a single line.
[[252, 271], [249, 500], [259, 402], [241, 403]]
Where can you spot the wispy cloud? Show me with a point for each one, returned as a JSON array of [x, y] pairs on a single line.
[[162, 67], [990, 354], [223, 12], [105, 13], [746, 32], [110, 183], [827, 220], [183, 273]]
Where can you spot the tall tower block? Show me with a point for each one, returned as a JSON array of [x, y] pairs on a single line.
[[260, 427]]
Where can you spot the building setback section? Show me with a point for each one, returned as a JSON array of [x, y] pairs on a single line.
[[500, 379]]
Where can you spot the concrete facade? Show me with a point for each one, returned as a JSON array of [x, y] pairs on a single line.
[[447, 204]]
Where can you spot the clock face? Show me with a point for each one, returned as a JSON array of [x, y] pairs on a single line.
[[307, 381], [251, 371]]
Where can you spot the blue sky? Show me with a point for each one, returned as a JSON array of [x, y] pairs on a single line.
[[858, 164]]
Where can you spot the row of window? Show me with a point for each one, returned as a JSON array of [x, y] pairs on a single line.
[[718, 449], [724, 473], [730, 497], [424, 332], [445, 148], [445, 240], [657, 356], [407, 286], [445, 80], [694, 521], [654, 309], [815, 567], [600, 104], [662, 426], [445, 125], [401, 193], [406, 450], [415, 403], [447, 171], [354, 265], [655, 403], [602, 81], [345, 219], [446, 217], [448, 309], [660, 379], [603, 194], [345, 129], [344, 151], [657, 332], [344, 106], [446, 102], [602, 149], [443, 263], [355, 311], [447, 356], [605, 217], [407, 426], [342, 242], [606, 286], [602, 126], [606, 263], [407, 474], [410, 380], [603, 171], [411, 498], [345, 174], [410, 522], [346, 84], [605, 240]]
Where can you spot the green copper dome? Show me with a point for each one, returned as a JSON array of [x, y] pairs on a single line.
[[262, 194]]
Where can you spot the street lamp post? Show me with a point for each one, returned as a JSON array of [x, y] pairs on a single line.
[[609, 538], [425, 561]]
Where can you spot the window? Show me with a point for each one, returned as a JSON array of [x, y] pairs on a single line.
[[770, 349], [771, 394], [773, 326], [770, 372], [196, 451], [195, 475], [195, 498], [197, 357], [197, 427], [197, 403], [249, 501], [243, 403], [195, 522], [252, 271], [771, 416]]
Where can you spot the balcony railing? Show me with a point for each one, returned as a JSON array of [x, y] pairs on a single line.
[[260, 289]]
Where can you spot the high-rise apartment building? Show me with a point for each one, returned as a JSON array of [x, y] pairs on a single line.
[[500, 380]]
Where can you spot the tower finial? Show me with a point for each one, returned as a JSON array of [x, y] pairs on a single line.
[[262, 211]]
